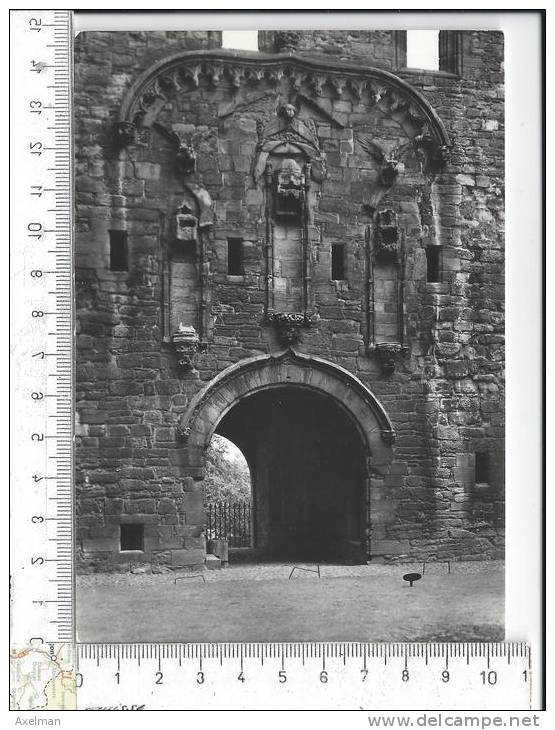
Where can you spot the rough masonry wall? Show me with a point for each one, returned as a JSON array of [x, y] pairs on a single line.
[[381, 48], [445, 397]]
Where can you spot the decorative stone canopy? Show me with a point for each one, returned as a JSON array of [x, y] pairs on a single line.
[[184, 72]]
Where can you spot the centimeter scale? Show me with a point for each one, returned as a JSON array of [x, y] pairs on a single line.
[[149, 676]]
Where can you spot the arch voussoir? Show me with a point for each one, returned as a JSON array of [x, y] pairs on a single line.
[[289, 368]]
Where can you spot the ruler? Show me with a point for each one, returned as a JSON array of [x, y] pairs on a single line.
[[41, 173], [318, 676]]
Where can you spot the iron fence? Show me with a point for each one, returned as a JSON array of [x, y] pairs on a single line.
[[230, 521]]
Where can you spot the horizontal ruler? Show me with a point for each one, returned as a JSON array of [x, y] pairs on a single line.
[[347, 676]]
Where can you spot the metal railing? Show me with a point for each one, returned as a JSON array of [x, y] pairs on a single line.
[[230, 521]]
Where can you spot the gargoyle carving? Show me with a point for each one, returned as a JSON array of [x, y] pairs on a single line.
[[185, 156], [389, 167]]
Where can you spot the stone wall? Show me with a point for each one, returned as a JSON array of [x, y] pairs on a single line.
[[381, 48], [443, 387]]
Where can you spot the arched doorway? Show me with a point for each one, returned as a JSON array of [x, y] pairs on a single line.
[[307, 461], [314, 437]]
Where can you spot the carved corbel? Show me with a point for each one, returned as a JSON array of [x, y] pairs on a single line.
[[435, 154], [289, 325], [297, 78], [186, 343], [254, 75], [274, 75], [439, 158], [388, 353], [125, 133], [185, 156], [214, 72], [338, 84], [185, 159], [389, 171], [318, 81], [357, 88], [192, 74], [236, 75], [182, 433]]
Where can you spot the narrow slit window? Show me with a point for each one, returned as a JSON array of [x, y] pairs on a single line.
[[337, 261], [482, 468], [433, 260], [118, 251], [132, 537], [235, 256]]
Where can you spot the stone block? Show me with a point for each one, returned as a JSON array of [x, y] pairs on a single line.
[[187, 558], [213, 562]]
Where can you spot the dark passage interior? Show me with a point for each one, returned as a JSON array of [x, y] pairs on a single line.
[[307, 465]]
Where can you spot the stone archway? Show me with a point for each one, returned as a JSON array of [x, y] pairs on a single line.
[[315, 438]]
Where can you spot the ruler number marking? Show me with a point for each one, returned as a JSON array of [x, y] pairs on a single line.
[[34, 229], [46, 126], [489, 677]]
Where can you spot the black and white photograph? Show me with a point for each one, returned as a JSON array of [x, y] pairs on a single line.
[[289, 311]]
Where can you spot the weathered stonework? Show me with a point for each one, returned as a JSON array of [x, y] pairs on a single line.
[[183, 148]]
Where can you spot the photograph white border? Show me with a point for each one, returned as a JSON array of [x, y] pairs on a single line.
[[524, 261]]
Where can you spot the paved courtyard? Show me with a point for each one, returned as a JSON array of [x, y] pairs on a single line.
[[261, 603]]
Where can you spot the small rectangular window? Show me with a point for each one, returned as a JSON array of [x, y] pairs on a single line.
[[118, 251], [482, 468], [433, 263], [132, 537], [337, 261], [235, 256]]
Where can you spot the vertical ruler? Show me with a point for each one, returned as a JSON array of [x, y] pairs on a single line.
[[41, 323]]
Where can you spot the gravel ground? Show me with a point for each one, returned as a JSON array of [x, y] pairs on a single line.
[[278, 571], [260, 603]]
